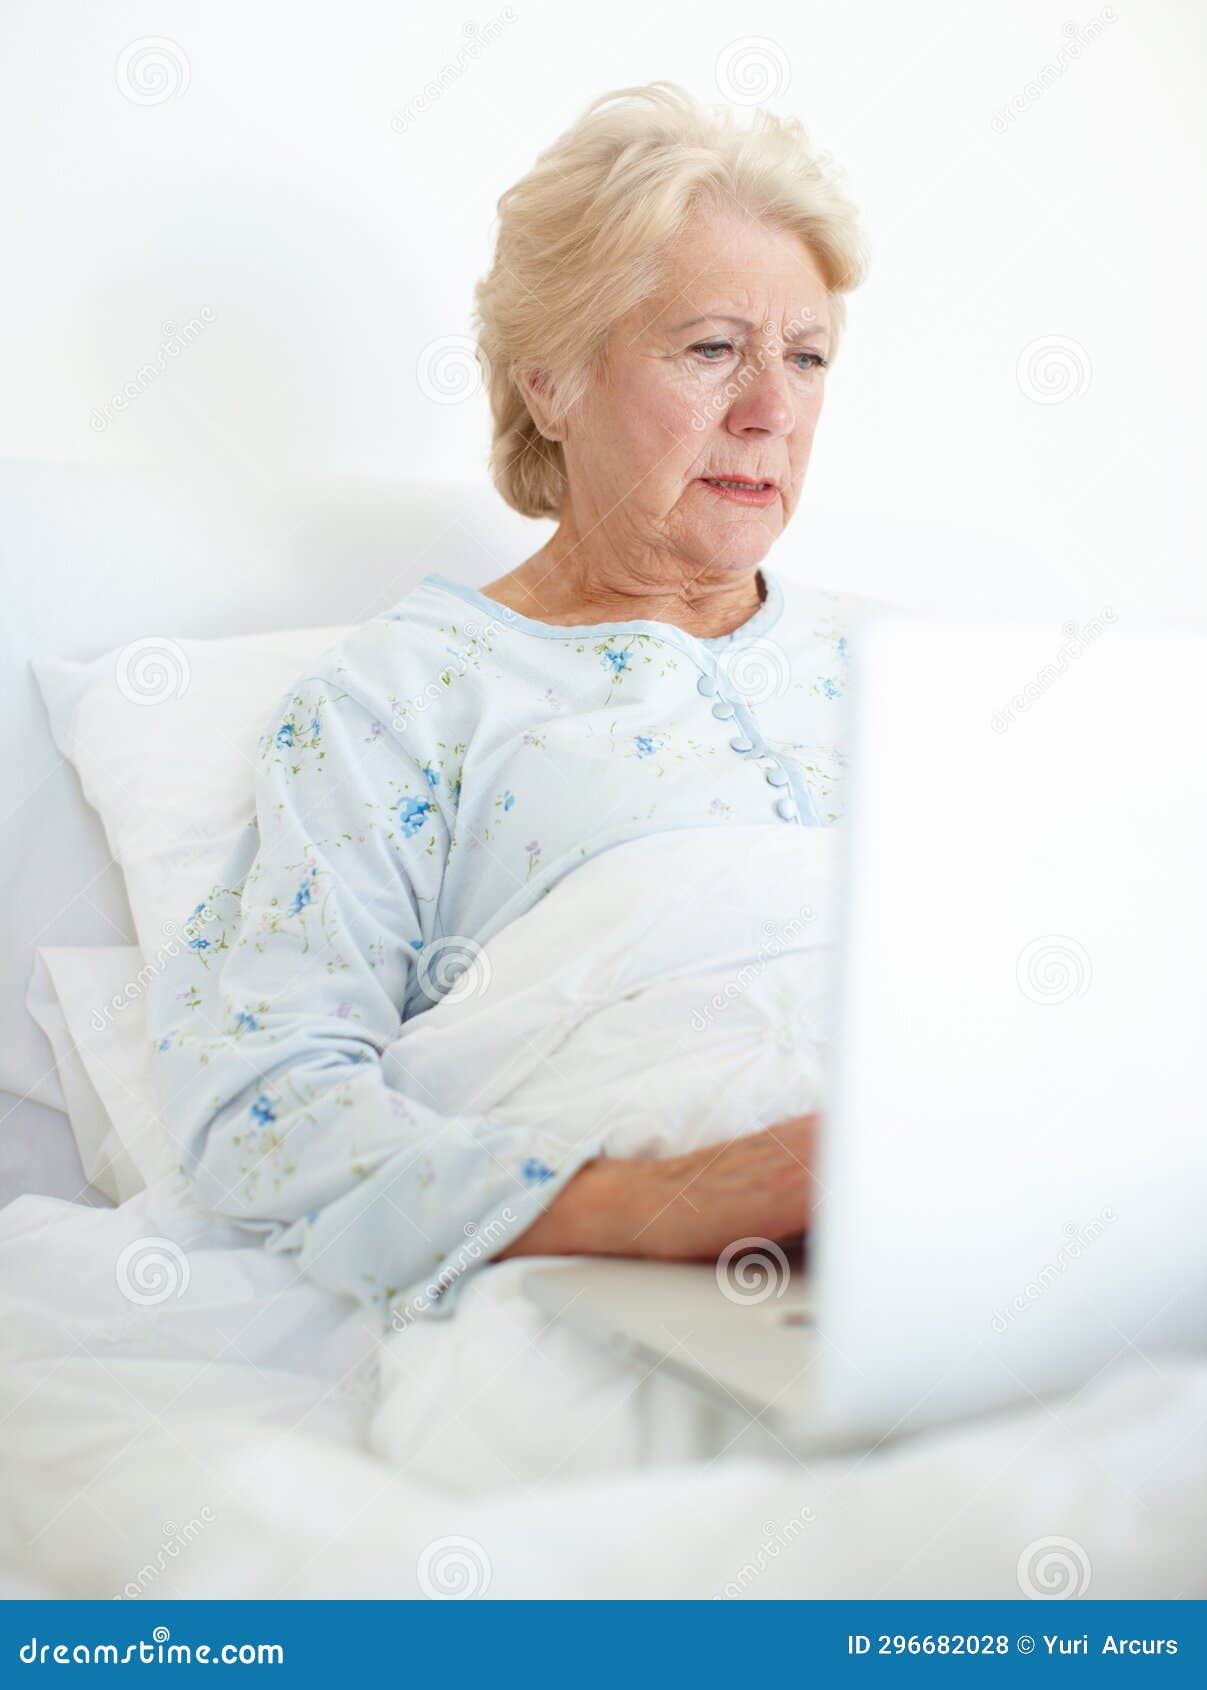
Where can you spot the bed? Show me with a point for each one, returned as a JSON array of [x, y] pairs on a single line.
[[248, 1433]]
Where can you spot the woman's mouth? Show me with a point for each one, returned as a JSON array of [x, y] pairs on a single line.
[[741, 490]]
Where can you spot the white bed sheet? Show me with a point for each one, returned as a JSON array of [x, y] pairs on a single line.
[[243, 1421], [39, 1154], [186, 1416]]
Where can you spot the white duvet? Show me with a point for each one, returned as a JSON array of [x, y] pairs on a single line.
[[671, 993], [185, 1417]]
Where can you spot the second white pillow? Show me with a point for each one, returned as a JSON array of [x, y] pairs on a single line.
[[163, 735]]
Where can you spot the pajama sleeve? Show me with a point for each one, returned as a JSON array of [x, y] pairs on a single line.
[[268, 1036]]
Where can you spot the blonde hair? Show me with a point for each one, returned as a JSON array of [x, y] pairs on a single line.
[[583, 236]]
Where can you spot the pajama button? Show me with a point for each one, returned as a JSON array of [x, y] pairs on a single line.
[[776, 776], [706, 685], [723, 708], [740, 743], [786, 808]]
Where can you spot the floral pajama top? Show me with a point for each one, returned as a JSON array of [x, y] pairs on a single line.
[[443, 766]]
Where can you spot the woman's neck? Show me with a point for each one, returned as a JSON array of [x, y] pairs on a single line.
[[704, 603]]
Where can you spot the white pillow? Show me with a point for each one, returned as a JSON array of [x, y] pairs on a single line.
[[163, 735], [102, 991], [64, 989]]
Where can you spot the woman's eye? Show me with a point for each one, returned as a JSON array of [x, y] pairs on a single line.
[[707, 348], [713, 346]]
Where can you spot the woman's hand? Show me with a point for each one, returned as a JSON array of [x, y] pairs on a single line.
[[683, 1208]]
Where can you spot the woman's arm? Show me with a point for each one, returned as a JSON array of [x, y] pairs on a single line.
[[683, 1207], [269, 1029]]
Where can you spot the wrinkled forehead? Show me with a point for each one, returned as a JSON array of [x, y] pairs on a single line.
[[768, 282], [726, 299]]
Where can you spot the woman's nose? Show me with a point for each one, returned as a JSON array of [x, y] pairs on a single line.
[[765, 402]]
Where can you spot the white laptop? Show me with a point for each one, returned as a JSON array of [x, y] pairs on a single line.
[[1014, 1159]]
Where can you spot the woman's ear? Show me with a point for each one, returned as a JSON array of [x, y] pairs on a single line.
[[534, 385]]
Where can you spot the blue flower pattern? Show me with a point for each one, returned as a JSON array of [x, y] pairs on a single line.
[[412, 813], [304, 894], [548, 749]]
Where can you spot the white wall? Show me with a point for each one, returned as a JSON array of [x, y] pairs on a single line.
[[332, 239]]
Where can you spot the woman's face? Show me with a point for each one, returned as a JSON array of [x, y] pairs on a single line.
[[720, 373]]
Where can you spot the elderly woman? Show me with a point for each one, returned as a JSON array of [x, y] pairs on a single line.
[[664, 302]]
